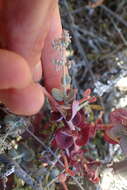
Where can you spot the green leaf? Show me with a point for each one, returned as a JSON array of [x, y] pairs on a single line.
[[58, 94], [70, 96]]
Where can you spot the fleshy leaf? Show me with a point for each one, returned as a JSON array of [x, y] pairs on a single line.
[[87, 92], [56, 116], [84, 99], [58, 94], [83, 136], [63, 139], [119, 116], [116, 132], [77, 120], [70, 96], [75, 107], [95, 180], [92, 99], [110, 140]]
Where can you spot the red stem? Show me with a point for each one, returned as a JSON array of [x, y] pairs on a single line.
[[64, 186]]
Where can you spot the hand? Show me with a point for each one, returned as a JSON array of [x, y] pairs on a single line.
[[27, 29]]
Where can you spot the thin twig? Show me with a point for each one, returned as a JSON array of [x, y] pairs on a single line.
[[49, 149], [78, 10], [93, 35], [119, 31], [46, 147], [119, 18], [26, 177], [19, 172], [115, 15], [77, 42]]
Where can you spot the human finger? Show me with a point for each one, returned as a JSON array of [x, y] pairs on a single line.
[[27, 101], [14, 70], [24, 26], [52, 78]]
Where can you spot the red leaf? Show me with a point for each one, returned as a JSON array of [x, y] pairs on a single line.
[[83, 136], [92, 99], [84, 99], [54, 144], [115, 132], [75, 107], [87, 92], [77, 120], [55, 116], [93, 129], [109, 139], [63, 138], [119, 116], [70, 172], [95, 180]]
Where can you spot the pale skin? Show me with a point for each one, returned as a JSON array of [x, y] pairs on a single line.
[[27, 29]]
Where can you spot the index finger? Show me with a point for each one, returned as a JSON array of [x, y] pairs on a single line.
[[24, 25], [52, 77]]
